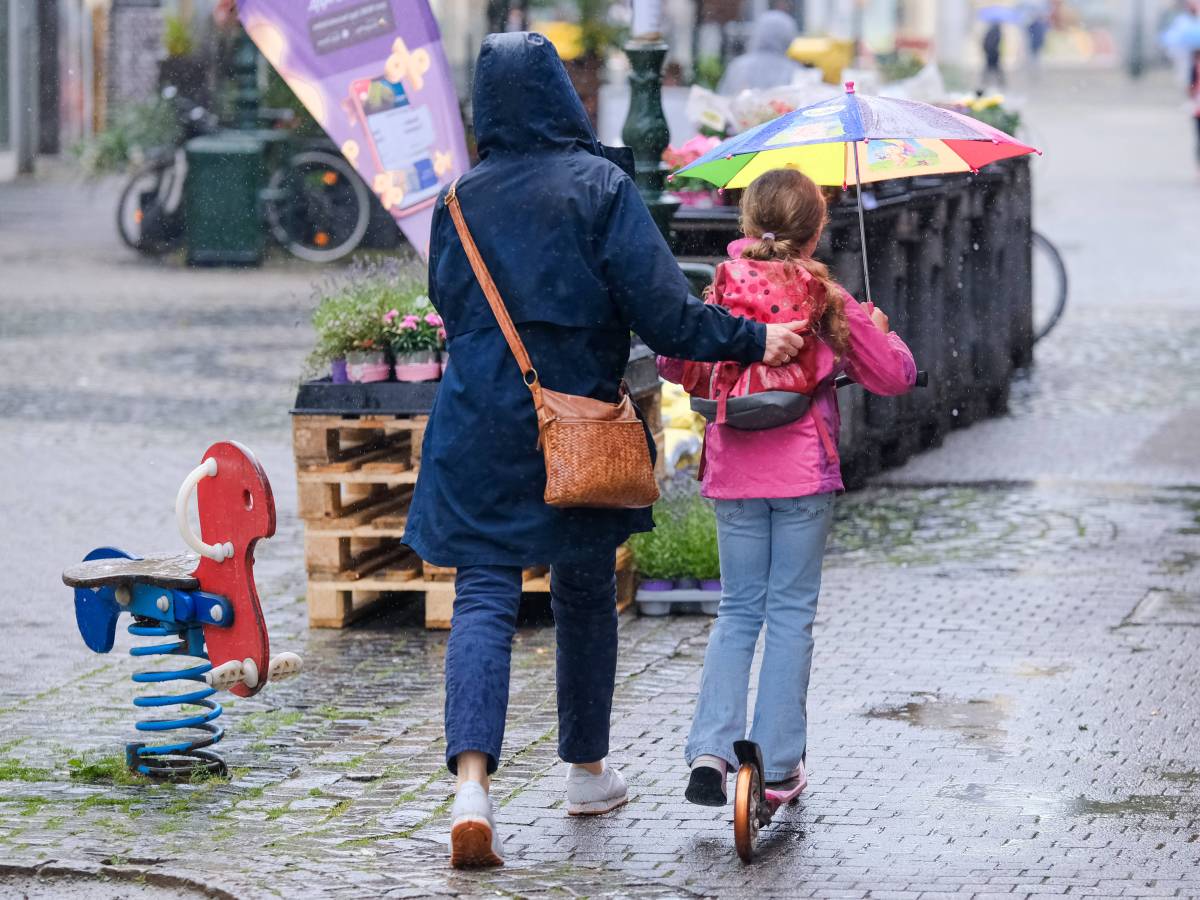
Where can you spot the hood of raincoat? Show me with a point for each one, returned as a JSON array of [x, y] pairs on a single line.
[[774, 32], [524, 101]]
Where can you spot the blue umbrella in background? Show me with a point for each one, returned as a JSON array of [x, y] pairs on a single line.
[[1183, 34], [1000, 15]]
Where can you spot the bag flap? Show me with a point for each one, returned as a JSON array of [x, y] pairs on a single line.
[[556, 405]]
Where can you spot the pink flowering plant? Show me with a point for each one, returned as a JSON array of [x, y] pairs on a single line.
[[352, 305], [678, 157], [415, 329]]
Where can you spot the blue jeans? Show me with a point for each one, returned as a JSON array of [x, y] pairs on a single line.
[[479, 653], [771, 553]]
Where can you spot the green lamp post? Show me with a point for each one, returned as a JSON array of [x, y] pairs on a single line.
[[645, 130], [245, 79]]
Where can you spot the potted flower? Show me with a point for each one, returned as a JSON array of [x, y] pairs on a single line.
[[655, 553], [416, 338], [990, 110], [352, 337], [368, 361], [690, 191], [350, 340], [703, 562], [678, 561]]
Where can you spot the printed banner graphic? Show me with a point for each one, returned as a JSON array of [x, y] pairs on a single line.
[[374, 76]]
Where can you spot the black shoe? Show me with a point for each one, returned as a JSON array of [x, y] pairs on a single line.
[[706, 787]]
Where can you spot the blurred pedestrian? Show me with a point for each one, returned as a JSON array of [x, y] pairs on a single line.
[[765, 64], [578, 263], [1182, 42], [993, 47], [1035, 30], [1194, 89], [774, 488]]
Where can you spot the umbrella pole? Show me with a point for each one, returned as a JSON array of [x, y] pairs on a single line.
[[862, 224]]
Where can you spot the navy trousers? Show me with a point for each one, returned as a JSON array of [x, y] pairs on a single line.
[[479, 654]]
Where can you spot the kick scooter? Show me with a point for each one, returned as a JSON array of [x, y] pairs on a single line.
[[755, 804]]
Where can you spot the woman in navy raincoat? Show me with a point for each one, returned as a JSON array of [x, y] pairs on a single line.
[[579, 264]]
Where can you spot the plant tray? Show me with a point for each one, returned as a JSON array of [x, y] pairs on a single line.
[[407, 398], [662, 603], [402, 398]]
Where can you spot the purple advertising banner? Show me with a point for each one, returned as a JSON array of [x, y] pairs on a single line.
[[374, 76]]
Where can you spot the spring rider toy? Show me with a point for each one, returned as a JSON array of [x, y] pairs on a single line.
[[208, 608]]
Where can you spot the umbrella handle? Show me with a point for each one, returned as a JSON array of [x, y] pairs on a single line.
[[862, 224]]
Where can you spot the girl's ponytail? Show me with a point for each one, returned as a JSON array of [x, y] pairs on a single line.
[[783, 210], [833, 320]]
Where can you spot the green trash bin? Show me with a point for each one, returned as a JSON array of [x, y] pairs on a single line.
[[225, 174]]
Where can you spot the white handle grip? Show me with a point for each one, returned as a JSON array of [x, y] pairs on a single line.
[[217, 552]]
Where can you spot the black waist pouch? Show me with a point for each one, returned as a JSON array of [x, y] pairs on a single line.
[[757, 412]]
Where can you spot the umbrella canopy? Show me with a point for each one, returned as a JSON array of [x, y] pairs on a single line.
[[1001, 15], [877, 137], [1183, 34], [856, 140]]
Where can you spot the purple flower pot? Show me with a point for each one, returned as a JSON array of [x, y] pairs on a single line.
[[657, 584], [686, 584], [337, 372], [709, 584]]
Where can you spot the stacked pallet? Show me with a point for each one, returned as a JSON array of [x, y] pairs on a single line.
[[355, 477], [356, 474]]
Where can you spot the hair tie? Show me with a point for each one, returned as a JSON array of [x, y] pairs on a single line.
[[768, 236]]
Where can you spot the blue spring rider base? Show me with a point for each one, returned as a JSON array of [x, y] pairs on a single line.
[[223, 631]]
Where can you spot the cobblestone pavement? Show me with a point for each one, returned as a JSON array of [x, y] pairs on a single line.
[[1004, 693]]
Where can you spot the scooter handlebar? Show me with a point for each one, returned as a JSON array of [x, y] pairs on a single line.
[[845, 380]]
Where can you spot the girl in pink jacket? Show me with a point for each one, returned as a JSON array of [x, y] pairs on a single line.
[[774, 488]]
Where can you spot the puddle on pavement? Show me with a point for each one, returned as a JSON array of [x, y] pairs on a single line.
[[1029, 670], [1003, 797], [980, 720], [1133, 805], [1000, 527], [1012, 797], [1162, 606], [1186, 777]]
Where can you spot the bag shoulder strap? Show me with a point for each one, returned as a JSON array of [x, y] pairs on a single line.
[[492, 293]]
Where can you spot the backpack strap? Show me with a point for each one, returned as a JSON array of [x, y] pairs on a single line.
[[823, 430]]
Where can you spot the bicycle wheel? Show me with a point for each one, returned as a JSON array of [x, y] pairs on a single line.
[[149, 218], [317, 206], [1049, 286]]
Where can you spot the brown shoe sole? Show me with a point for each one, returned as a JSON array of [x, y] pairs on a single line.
[[597, 812], [471, 846]]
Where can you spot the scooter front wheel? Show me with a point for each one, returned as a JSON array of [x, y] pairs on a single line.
[[746, 797]]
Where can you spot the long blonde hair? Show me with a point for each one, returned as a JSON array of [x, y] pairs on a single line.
[[783, 210]]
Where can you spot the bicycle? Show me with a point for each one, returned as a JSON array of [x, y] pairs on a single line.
[[1049, 274], [150, 210], [315, 205]]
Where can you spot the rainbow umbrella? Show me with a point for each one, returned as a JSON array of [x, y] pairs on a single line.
[[856, 139]]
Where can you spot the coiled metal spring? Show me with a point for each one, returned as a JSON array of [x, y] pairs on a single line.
[[182, 760]]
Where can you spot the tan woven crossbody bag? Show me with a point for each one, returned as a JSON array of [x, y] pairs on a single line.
[[596, 452]]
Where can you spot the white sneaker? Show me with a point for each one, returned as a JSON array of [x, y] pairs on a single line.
[[474, 842], [593, 795]]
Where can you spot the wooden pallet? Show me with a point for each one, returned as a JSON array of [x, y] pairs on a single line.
[[337, 599], [355, 479]]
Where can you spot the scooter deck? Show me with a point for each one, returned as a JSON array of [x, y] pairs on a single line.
[[783, 795]]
